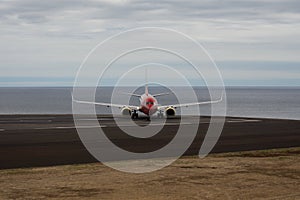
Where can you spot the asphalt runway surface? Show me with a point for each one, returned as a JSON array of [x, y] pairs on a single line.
[[47, 140]]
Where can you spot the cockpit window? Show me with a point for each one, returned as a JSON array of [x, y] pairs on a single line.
[[149, 103]]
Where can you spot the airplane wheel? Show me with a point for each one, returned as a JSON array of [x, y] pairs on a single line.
[[134, 116], [160, 115]]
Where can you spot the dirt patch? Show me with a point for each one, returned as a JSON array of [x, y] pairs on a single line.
[[268, 174]]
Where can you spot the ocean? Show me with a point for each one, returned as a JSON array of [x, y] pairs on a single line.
[[262, 102]]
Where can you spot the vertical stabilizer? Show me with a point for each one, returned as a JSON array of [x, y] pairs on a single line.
[[146, 80]]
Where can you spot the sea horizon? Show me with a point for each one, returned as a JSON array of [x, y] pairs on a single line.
[[278, 102]]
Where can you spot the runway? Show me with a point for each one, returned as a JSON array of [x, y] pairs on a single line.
[[46, 140]]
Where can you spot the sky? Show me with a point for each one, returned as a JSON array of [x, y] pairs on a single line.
[[254, 43]]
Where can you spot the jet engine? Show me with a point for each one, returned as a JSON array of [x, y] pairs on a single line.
[[126, 111], [170, 111]]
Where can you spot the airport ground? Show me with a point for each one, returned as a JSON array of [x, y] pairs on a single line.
[[42, 157], [47, 140]]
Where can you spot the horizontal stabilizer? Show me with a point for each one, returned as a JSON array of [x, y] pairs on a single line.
[[161, 94], [131, 94]]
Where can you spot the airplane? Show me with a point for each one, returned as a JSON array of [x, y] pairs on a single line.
[[148, 105]]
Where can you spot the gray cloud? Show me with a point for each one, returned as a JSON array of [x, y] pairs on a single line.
[[35, 32], [86, 19], [270, 11]]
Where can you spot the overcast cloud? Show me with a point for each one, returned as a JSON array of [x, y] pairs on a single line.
[[50, 38]]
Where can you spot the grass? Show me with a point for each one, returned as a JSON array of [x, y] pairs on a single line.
[[265, 174]]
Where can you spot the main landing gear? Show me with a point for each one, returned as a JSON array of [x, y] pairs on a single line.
[[160, 114], [134, 115]]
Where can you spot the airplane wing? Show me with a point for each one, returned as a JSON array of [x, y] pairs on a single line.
[[105, 104], [191, 104]]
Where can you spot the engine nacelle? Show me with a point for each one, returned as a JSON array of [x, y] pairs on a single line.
[[170, 111], [126, 111]]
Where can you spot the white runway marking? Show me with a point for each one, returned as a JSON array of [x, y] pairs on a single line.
[[69, 127], [103, 126], [160, 124], [99, 119], [35, 118], [130, 125], [27, 118], [243, 120], [26, 121]]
